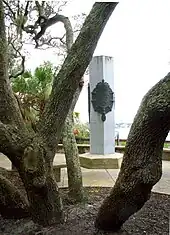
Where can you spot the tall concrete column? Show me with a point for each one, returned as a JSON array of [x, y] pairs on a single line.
[[102, 134], [102, 153]]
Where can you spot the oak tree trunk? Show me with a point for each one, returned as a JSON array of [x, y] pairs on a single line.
[[45, 203], [142, 161], [33, 153], [36, 171]]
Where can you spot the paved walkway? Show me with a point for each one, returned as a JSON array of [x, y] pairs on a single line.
[[107, 178], [98, 177]]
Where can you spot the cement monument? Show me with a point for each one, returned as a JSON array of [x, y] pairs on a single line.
[[102, 121]]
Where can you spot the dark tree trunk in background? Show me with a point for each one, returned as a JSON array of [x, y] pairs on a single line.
[[142, 161], [32, 154]]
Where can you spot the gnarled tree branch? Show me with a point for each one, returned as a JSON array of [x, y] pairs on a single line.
[[19, 73], [10, 9], [25, 14], [22, 63], [53, 20], [13, 141], [61, 6], [49, 42]]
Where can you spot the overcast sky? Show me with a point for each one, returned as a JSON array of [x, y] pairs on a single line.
[[138, 37]]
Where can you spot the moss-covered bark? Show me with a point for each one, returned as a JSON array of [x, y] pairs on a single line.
[[142, 162]]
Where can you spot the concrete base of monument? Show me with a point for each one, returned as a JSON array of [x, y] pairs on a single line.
[[95, 161]]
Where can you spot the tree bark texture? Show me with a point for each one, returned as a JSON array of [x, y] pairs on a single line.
[[36, 172], [75, 183], [9, 111], [33, 153], [13, 204], [34, 164], [142, 164]]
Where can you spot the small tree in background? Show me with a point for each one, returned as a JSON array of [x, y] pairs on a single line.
[[33, 91]]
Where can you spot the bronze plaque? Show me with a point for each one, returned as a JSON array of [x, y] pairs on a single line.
[[102, 99]]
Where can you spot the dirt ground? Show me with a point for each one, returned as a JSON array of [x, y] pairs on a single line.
[[152, 219]]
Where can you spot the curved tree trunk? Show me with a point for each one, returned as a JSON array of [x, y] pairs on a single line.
[[75, 183], [142, 164]]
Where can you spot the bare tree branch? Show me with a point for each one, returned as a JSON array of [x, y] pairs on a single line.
[[25, 14], [10, 9], [49, 42], [44, 22], [26, 9], [13, 141], [53, 20], [18, 8], [22, 62], [61, 6], [40, 8]]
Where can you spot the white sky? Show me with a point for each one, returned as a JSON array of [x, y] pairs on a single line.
[[138, 37]]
